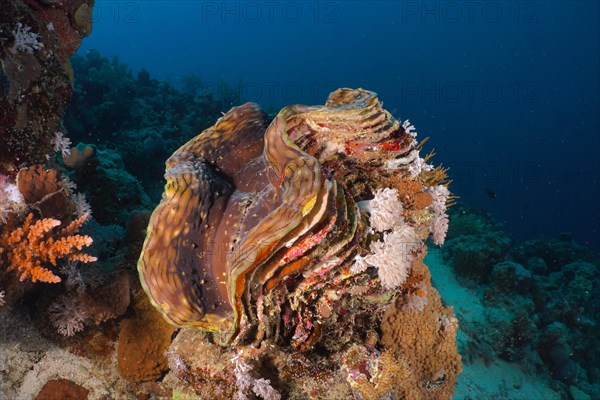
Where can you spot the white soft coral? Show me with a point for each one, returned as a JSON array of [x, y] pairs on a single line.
[[393, 257], [81, 204], [11, 200], [439, 223], [61, 143], [246, 382], [25, 40], [385, 210], [409, 128], [417, 166], [67, 315], [176, 363]]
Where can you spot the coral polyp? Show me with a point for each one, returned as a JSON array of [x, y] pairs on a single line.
[[259, 235]]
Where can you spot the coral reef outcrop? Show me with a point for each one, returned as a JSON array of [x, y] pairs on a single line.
[[139, 116], [36, 40], [475, 243], [113, 193], [329, 207], [296, 236], [541, 308]]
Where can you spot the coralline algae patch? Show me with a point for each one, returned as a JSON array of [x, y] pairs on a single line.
[[296, 236]]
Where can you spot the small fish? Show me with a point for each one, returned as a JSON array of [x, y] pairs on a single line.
[[491, 194]]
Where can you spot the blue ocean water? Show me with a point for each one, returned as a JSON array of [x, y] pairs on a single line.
[[507, 91]]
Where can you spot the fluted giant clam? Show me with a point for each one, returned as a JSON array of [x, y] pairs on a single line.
[[259, 235]]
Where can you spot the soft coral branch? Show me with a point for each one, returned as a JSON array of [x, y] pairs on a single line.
[[33, 244]]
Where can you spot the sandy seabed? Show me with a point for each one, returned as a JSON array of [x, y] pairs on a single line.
[[28, 360]]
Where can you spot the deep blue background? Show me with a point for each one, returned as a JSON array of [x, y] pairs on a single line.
[[507, 91]]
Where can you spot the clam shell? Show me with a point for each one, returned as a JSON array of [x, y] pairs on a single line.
[[258, 223]]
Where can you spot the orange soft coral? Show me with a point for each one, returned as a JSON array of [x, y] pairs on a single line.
[[33, 244]]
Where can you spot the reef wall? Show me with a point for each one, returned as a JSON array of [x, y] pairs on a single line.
[[37, 37], [36, 40]]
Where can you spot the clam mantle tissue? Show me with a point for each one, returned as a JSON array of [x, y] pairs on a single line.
[[269, 231]]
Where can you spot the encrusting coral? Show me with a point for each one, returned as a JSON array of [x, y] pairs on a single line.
[[34, 244], [425, 337]]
